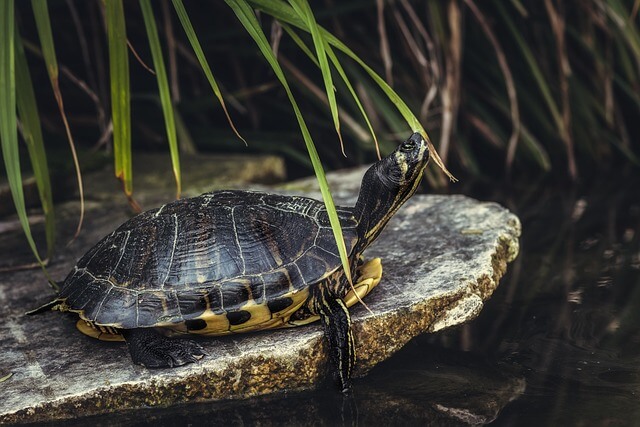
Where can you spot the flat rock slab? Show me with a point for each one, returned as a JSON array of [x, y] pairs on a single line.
[[443, 256]]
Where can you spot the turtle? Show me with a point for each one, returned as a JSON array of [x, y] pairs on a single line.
[[233, 261]]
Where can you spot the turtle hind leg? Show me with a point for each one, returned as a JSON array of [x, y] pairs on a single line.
[[368, 276], [151, 349], [337, 328]]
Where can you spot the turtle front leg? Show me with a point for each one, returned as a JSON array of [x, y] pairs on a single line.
[[337, 329], [151, 349]]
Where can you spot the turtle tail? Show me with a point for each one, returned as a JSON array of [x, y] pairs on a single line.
[[56, 304], [53, 305]]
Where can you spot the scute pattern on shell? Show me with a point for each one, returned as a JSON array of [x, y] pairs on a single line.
[[216, 251]]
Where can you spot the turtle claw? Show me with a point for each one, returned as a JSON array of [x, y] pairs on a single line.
[[153, 350], [180, 352]]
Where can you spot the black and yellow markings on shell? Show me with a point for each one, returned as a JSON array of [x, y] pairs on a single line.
[[270, 314], [103, 333], [368, 276], [249, 317]]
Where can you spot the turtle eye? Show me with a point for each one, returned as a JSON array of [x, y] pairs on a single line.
[[408, 145]]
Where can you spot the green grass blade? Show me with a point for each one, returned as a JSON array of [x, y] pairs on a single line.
[[43, 24], [246, 16], [624, 22], [354, 95], [8, 119], [627, 66], [402, 107], [300, 43], [338, 66], [283, 12], [195, 44], [32, 132], [163, 86], [120, 93], [531, 145], [303, 10], [519, 7], [532, 63], [386, 111], [536, 149], [280, 10]]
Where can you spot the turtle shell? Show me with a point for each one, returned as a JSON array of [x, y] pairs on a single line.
[[214, 263]]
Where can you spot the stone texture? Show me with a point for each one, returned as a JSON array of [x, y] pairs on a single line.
[[443, 257]]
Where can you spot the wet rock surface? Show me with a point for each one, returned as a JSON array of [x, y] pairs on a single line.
[[443, 257]]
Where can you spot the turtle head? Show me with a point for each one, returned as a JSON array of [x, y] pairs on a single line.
[[388, 184], [403, 168]]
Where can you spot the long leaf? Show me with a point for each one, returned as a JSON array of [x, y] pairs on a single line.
[[8, 119], [532, 62], [283, 12], [120, 93], [246, 16], [402, 107], [301, 44], [384, 107], [32, 133], [336, 64], [629, 29], [163, 86], [354, 95], [195, 44], [43, 24], [303, 10]]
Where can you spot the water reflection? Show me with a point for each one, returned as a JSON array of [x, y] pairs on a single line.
[[567, 312]]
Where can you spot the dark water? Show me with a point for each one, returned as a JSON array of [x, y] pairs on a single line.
[[568, 313], [558, 343]]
